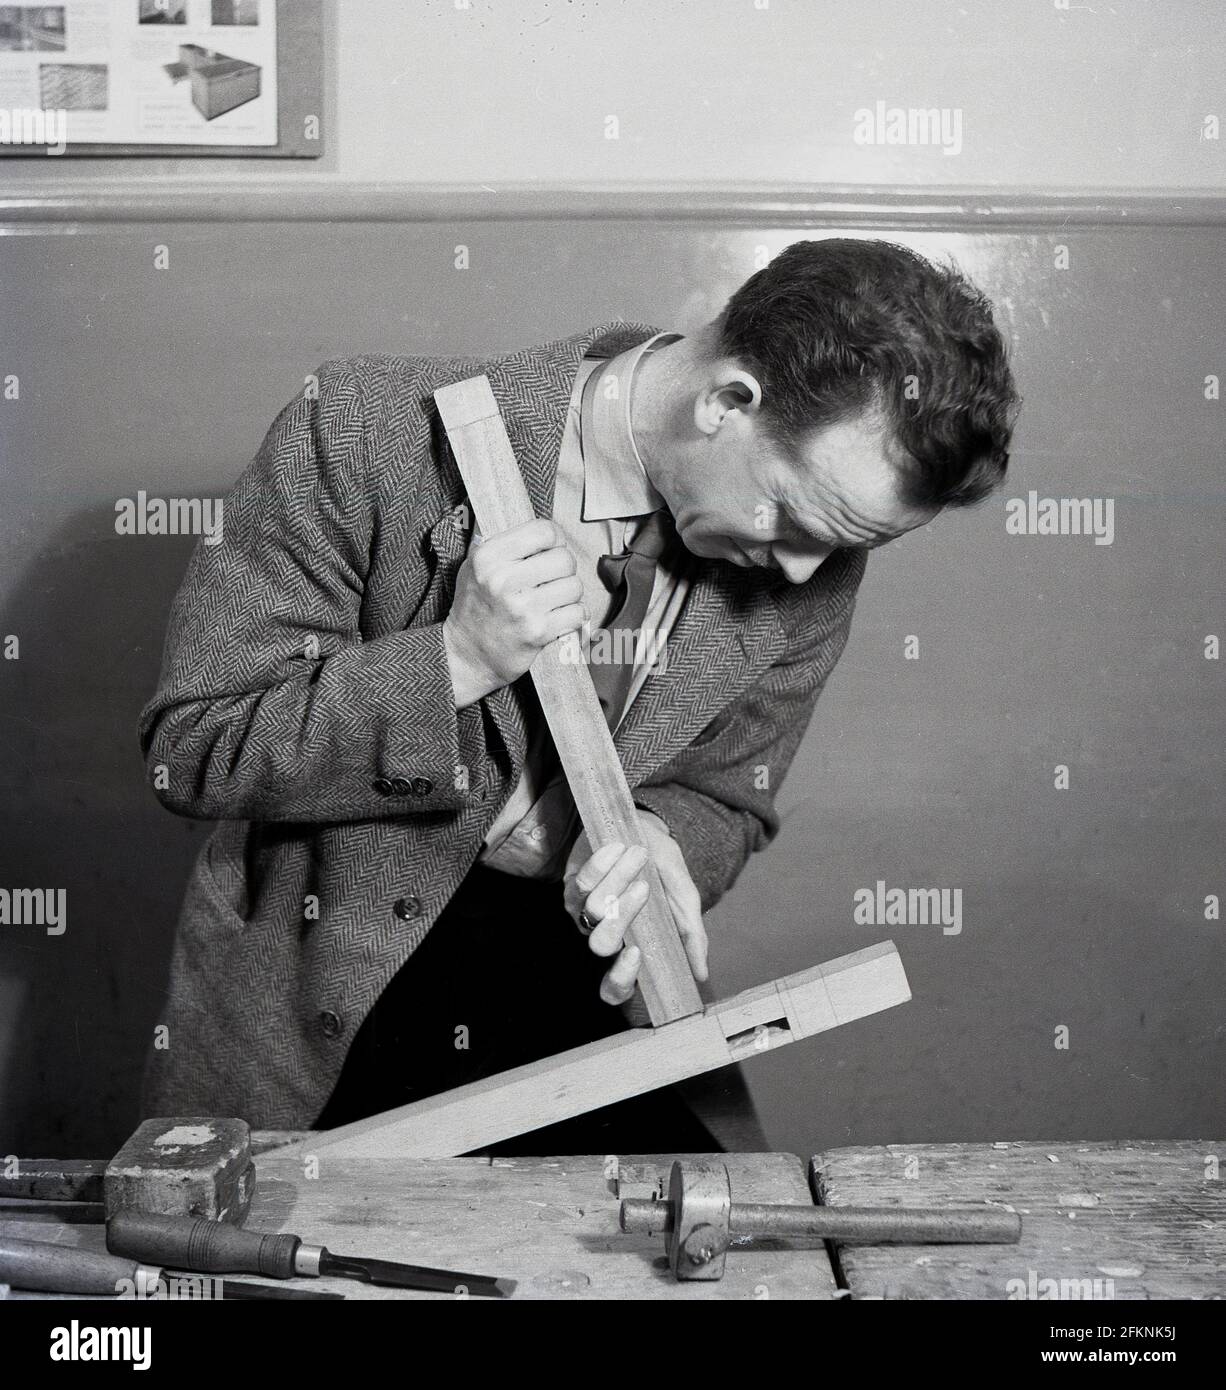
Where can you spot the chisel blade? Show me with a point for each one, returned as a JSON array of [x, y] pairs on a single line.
[[230, 1288], [401, 1276]]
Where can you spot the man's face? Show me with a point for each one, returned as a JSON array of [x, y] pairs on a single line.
[[742, 500]]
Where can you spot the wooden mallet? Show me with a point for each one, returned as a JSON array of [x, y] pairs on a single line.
[[187, 1166]]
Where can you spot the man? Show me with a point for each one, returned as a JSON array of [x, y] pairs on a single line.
[[389, 905]]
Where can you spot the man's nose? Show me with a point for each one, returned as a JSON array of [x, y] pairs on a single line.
[[800, 567]]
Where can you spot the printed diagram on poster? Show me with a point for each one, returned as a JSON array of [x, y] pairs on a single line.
[[145, 72]]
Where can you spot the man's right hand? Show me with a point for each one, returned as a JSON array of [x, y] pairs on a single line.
[[515, 593]]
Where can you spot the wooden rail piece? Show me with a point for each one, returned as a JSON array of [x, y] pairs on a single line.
[[500, 501], [628, 1064]]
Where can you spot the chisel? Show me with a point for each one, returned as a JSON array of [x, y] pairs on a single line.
[[41, 1267], [215, 1248]]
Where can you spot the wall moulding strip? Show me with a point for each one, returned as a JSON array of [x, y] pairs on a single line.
[[289, 199]]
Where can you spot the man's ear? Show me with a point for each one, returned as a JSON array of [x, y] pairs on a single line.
[[734, 389]]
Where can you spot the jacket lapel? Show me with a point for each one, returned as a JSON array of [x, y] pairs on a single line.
[[728, 633], [533, 390]]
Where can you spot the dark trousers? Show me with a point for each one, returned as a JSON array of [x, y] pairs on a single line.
[[504, 978]]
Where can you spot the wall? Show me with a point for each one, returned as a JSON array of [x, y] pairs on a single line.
[[742, 92], [1082, 908]]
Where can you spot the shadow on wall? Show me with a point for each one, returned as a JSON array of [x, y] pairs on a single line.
[[90, 615]]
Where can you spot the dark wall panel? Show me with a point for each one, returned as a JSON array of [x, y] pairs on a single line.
[[1082, 908]]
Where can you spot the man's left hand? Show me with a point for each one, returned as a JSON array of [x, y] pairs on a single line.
[[608, 889]]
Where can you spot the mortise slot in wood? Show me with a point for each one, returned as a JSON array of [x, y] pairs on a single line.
[[760, 1038]]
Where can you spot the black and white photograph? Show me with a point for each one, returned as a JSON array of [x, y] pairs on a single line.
[[236, 11], [32, 29], [162, 12], [74, 86], [185, 87], [611, 675]]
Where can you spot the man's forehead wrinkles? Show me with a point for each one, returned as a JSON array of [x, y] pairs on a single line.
[[806, 517], [826, 508], [852, 520]]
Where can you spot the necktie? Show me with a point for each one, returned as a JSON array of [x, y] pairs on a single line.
[[630, 578]]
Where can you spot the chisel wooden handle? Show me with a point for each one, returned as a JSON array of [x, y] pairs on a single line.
[[580, 732], [39, 1265], [205, 1247]]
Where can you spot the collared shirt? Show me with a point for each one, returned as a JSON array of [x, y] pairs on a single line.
[[601, 496]]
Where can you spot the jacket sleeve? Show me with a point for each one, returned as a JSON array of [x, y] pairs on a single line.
[[717, 797], [270, 705]]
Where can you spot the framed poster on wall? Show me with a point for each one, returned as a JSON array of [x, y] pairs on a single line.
[[162, 77]]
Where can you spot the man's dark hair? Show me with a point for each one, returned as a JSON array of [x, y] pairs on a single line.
[[836, 327]]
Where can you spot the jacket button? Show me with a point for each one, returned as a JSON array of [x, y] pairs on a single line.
[[407, 908], [382, 786], [421, 786], [330, 1023], [400, 786]]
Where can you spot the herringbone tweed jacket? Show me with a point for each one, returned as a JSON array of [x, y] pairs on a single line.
[[305, 704]]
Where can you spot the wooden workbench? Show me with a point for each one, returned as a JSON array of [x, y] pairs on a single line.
[[1147, 1216], [550, 1223], [1144, 1220]]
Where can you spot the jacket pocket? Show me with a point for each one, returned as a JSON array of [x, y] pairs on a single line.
[[215, 902]]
